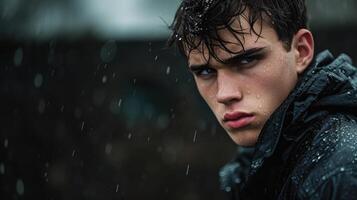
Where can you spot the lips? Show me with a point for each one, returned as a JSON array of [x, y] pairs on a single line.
[[238, 119]]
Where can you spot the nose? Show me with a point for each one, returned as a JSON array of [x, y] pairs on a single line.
[[228, 88]]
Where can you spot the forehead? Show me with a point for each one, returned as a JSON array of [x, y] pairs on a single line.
[[235, 42]]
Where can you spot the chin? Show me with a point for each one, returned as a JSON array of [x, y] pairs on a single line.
[[244, 138]]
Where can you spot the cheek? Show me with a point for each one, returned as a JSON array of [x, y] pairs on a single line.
[[206, 91], [275, 84]]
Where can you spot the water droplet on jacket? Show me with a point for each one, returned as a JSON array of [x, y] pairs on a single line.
[[268, 150], [342, 169], [237, 180], [257, 163]]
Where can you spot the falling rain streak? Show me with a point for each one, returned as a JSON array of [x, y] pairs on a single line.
[[195, 136], [73, 152], [82, 126], [119, 103], [187, 169]]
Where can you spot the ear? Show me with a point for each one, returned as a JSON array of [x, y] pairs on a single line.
[[303, 46]]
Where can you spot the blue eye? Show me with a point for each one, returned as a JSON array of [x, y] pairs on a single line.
[[247, 60], [204, 73]]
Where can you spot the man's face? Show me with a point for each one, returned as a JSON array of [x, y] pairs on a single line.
[[245, 91]]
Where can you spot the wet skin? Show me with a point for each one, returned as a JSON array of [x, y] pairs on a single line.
[[254, 81]]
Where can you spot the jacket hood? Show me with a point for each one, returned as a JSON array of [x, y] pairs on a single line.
[[327, 85]]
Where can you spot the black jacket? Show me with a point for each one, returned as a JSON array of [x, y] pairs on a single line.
[[308, 147]]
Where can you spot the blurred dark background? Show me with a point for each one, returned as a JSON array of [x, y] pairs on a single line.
[[93, 106]]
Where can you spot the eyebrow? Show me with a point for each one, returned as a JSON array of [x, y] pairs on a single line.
[[240, 55]]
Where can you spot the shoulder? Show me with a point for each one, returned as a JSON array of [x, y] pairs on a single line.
[[330, 163]]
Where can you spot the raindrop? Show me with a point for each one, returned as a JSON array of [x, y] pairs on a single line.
[[38, 80], [108, 148], [6, 143], [342, 169], [129, 136], [156, 57], [256, 164], [148, 139], [2, 168], [117, 188], [187, 169], [323, 178], [18, 57], [119, 103], [82, 126], [104, 79], [73, 152], [168, 70], [20, 188], [258, 96], [195, 136]]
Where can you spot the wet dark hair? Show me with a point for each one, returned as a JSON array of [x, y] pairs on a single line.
[[197, 22]]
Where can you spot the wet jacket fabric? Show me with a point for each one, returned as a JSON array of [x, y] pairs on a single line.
[[308, 147]]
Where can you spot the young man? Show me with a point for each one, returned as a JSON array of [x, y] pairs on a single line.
[[253, 63]]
